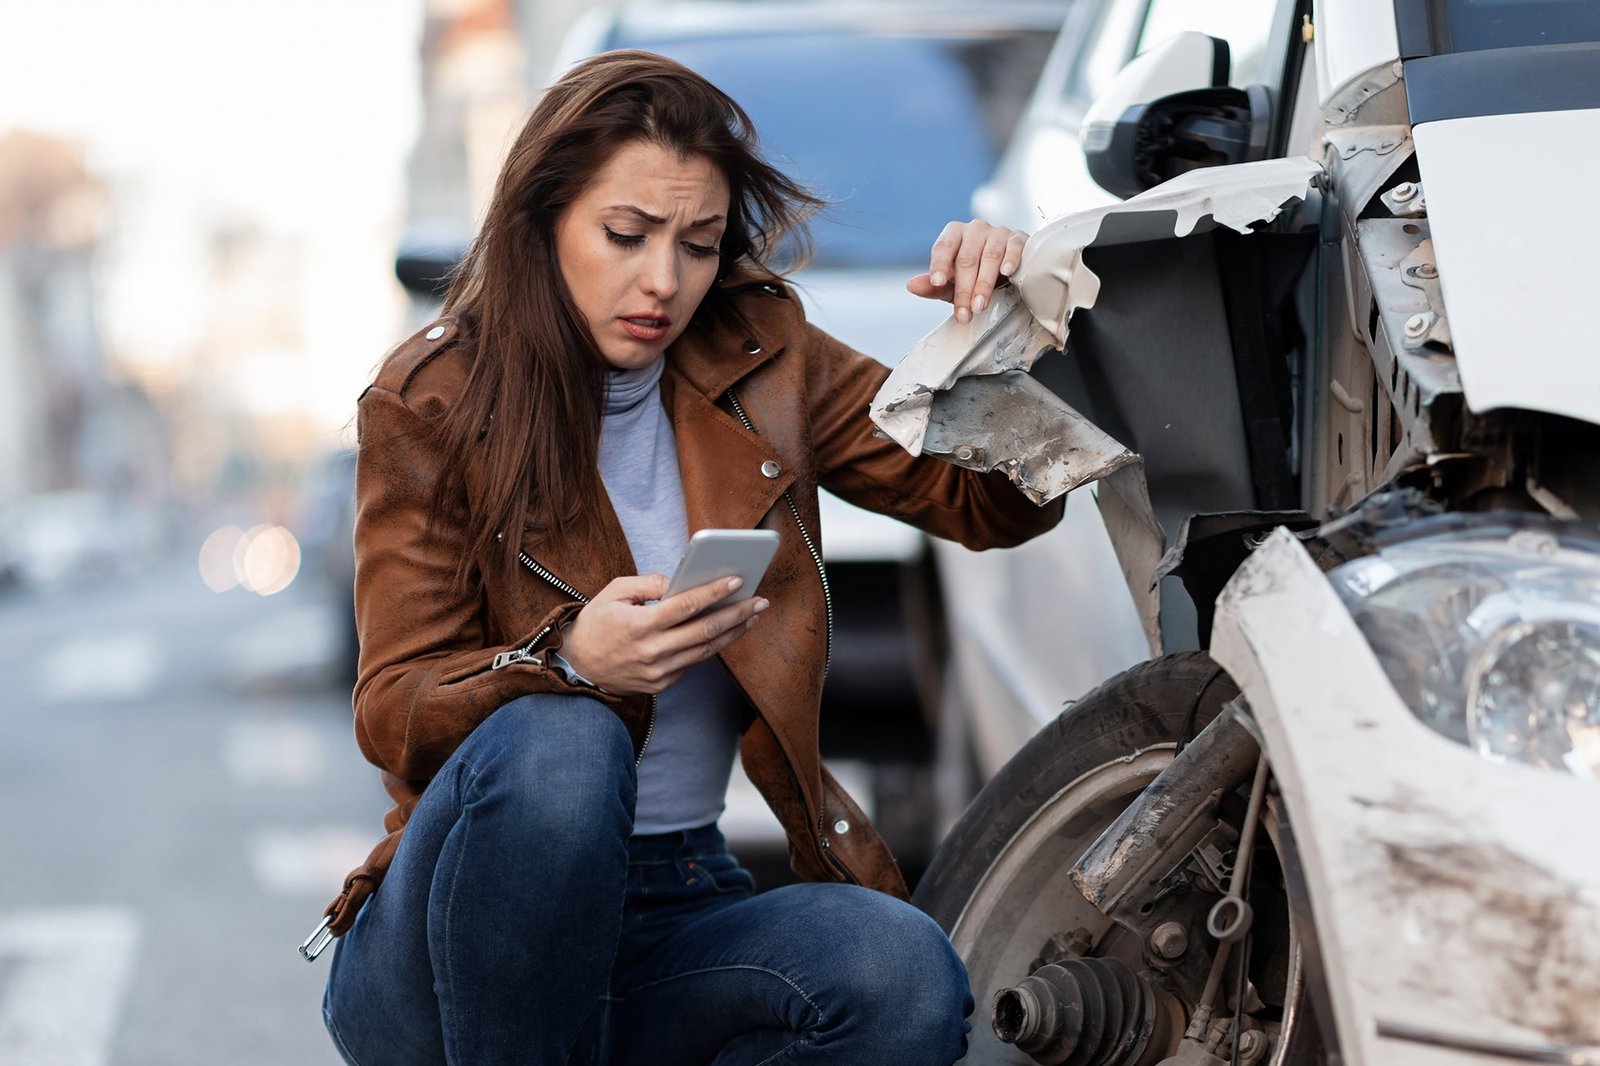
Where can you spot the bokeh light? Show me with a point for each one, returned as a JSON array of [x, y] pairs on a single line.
[[267, 559], [216, 559]]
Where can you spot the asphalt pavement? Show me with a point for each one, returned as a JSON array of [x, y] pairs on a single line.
[[180, 796]]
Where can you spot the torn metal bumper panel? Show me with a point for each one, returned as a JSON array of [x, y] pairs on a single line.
[[963, 392]]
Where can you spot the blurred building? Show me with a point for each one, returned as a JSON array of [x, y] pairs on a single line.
[[473, 103], [65, 423]]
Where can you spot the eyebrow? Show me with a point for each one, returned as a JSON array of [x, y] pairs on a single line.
[[648, 217]]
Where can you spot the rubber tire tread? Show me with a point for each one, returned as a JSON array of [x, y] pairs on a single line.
[[1146, 705]]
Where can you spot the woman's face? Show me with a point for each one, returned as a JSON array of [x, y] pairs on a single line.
[[638, 249]]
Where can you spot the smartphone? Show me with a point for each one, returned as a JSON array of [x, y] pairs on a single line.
[[715, 553]]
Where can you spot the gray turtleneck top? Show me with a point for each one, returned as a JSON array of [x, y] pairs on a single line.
[[683, 780]]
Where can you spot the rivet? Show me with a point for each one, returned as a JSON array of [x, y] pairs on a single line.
[[435, 333], [1416, 325], [964, 453], [752, 348], [500, 536], [771, 469], [1427, 270], [1404, 191], [841, 827]]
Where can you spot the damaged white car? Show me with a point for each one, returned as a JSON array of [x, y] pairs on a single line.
[[1327, 380]]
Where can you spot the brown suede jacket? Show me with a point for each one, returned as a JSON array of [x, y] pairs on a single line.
[[435, 663]]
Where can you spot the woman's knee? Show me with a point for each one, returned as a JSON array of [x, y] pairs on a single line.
[[564, 764], [904, 977]]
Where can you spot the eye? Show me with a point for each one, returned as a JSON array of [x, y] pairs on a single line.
[[626, 240], [702, 251]]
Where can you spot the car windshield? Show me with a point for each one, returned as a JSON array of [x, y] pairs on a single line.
[[896, 132], [1478, 25]]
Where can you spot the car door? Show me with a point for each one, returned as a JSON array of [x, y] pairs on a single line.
[[1038, 626]]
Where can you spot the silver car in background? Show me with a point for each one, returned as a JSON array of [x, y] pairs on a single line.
[[894, 112]]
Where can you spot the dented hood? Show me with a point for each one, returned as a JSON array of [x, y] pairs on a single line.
[[1517, 238]]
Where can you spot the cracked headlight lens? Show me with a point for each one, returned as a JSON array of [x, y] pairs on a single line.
[[1492, 640]]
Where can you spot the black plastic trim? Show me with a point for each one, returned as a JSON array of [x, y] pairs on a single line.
[[1422, 28], [1289, 65], [1221, 63], [1505, 81]]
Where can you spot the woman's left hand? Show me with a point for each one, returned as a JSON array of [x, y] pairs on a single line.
[[968, 260]]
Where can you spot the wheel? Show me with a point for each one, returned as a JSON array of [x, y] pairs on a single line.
[[999, 883]]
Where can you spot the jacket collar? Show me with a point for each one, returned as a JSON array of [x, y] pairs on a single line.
[[714, 360]]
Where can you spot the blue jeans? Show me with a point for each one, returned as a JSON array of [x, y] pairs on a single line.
[[519, 923]]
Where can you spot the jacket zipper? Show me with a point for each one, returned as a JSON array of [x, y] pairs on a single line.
[[526, 652], [811, 546], [827, 660]]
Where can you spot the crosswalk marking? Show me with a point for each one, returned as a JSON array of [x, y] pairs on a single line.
[[122, 666], [309, 862], [68, 969], [284, 642], [274, 752]]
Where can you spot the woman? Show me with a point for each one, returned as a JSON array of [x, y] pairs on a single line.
[[617, 366]]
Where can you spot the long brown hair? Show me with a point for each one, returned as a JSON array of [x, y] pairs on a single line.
[[529, 416]]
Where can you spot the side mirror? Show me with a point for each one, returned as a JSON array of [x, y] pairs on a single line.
[[425, 263], [1169, 111]]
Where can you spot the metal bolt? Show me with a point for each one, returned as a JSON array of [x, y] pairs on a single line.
[[964, 453], [1169, 940], [1428, 271], [1404, 191], [1417, 325], [1252, 1045]]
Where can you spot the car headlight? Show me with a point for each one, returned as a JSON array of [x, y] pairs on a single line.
[[1492, 637]]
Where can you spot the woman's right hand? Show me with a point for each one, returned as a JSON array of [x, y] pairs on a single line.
[[628, 645]]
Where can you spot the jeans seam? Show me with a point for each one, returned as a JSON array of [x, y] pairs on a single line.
[[464, 822], [734, 966], [338, 1038], [783, 1051]]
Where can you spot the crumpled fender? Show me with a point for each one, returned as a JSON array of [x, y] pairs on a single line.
[[1452, 895], [963, 392]]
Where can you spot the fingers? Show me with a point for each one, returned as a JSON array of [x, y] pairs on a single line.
[[942, 260], [638, 590], [968, 260], [685, 605], [698, 640], [701, 651]]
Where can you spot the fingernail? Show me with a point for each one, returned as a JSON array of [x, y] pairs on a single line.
[[978, 303], [963, 315], [937, 277], [762, 605], [734, 583], [1007, 267]]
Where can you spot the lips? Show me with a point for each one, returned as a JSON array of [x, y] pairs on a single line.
[[646, 327]]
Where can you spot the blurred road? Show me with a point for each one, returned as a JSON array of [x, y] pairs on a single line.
[[180, 796]]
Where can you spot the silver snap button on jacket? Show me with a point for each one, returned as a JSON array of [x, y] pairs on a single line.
[[435, 333], [841, 827], [771, 469]]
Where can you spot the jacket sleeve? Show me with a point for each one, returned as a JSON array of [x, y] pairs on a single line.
[[426, 676], [978, 510]]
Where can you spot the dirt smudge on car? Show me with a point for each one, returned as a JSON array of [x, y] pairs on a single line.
[[1497, 934]]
